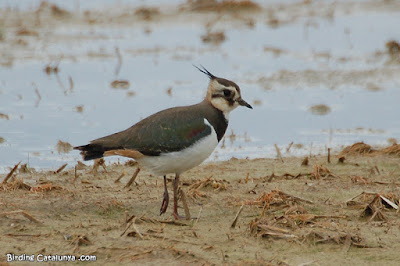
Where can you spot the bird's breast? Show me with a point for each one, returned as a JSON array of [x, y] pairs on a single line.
[[183, 160]]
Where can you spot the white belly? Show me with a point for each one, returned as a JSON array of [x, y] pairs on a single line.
[[180, 161]]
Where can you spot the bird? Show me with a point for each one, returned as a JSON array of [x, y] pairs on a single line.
[[174, 140]]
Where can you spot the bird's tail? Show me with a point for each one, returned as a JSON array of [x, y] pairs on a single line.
[[91, 151]]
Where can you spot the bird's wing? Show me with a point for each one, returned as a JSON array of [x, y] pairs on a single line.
[[167, 131]]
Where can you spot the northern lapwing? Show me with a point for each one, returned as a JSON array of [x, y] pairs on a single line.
[[176, 139]]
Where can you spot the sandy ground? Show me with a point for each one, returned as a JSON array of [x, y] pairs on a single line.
[[292, 214]]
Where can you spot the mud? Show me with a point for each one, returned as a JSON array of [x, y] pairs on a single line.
[[291, 214]]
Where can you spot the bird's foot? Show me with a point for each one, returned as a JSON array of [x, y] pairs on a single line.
[[178, 217]]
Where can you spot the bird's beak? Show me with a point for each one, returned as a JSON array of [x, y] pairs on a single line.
[[243, 103]]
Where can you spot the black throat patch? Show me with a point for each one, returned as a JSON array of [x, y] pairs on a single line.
[[219, 122]]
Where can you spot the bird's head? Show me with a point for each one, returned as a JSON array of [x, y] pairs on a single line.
[[223, 94]]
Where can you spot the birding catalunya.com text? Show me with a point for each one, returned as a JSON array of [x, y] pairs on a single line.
[[48, 258]]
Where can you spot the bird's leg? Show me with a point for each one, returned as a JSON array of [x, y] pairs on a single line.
[[165, 201], [176, 186]]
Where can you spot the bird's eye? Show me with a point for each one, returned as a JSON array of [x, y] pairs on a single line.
[[227, 93]]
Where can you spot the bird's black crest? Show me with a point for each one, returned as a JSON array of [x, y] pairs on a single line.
[[205, 71]]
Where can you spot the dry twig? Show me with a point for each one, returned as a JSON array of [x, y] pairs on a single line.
[[233, 225], [119, 178], [10, 174], [24, 213], [61, 168], [278, 153], [133, 178], [329, 155]]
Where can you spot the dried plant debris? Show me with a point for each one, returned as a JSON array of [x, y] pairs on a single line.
[[120, 84], [393, 47], [391, 150], [320, 109], [276, 198], [233, 225], [374, 210], [257, 102], [223, 6], [264, 83], [373, 87], [303, 219], [51, 69], [298, 146], [392, 141], [356, 148], [286, 176], [360, 148], [147, 13], [10, 174], [276, 51], [26, 32], [4, 116], [374, 201], [24, 213], [130, 93], [261, 228], [2, 140], [62, 167], [132, 179], [278, 153], [80, 166], [45, 188], [304, 231], [24, 168], [79, 240], [16, 184], [360, 180], [195, 192], [98, 162], [320, 171], [63, 147], [131, 163], [169, 91], [58, 12], [53, 10], [213, 37], [79, 108], [320, 236], [209, 182]]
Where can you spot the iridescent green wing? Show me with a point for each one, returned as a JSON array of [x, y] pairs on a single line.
[[168, 131]]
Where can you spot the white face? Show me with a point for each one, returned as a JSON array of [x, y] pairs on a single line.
[[225, 95]]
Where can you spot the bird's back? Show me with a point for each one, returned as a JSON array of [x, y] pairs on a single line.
[[167, 131]]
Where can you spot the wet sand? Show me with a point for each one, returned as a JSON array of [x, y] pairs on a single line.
[[291, 213]]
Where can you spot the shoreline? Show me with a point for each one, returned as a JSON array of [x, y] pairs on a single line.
[[214, 158]]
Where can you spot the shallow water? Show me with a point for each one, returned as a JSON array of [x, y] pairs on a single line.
[[154, 62]]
